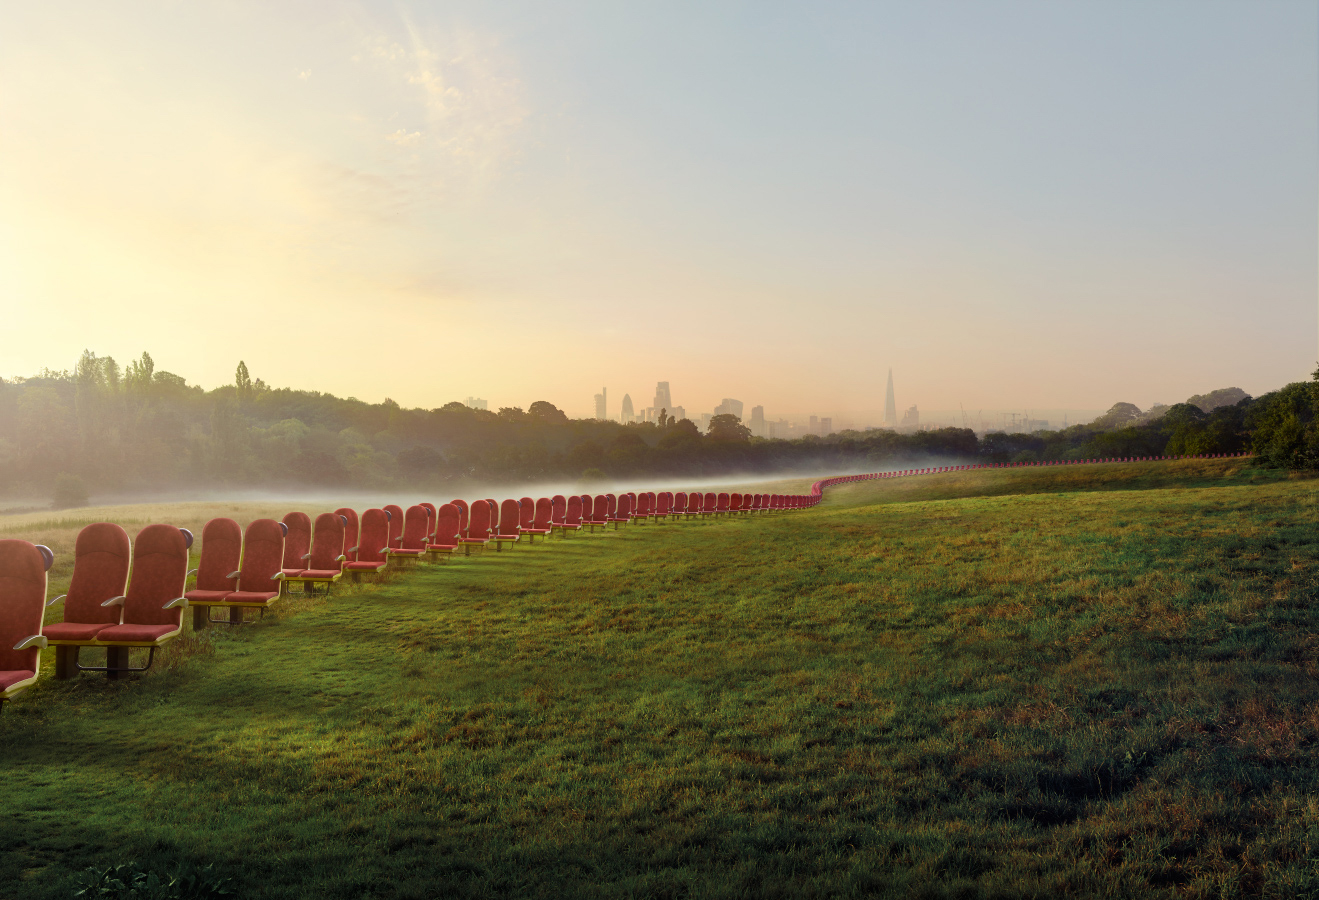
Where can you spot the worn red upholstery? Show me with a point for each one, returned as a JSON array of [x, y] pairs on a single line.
[[723, 503], [663, 504], [160, 568], [599, 512], [461, 506], [478, 526], [222, 549], [571, 515], [645, 504], [711, 503], [372, 543], [558, 509], [447, 520], [297, 543], [22, 605], [395, 523], [101, 558], [327, 543], [542, 516], [527, 509], [262, 573], [415, 537], [349, 532], [735, 503], [679, 503]]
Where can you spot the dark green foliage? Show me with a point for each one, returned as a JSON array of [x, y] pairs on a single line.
[[128, 881], [1284, 428], [69, 492]]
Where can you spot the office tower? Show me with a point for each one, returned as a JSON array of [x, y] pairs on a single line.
[[729, 408], [705, 421], [758, 421], [475, 403], [890, 405], [662, 398], [911, 420], [677, 412], [602, 404], [627, 414], [826, 427]]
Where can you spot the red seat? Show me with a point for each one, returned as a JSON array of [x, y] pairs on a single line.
[[623, 512], [663, 505], [571, 513], [297, 543], [261, 569], [395, 519], [679, 507], [599, 513], [722, 506], [430, 525], [349, 532], [372, 545], [510, 524], [461, 506], [101, 559], [644, 508], [23, 568], [217, 575], [447, 520], [154, 603], [415, 538], [326, 558], [735, 503], [478, 527], [542, 512]]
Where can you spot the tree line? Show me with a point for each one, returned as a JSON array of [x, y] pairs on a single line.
[[107, 429]]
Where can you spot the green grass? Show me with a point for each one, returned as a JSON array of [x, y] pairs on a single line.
[[1096, 687]]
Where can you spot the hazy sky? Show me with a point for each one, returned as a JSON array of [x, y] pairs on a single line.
[[1011, 204]]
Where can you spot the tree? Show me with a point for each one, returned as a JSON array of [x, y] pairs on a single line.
[[729, 428], [1118, 416], [243, 381], [548, 413]]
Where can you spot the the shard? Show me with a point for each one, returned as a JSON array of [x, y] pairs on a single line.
[[890, 405]]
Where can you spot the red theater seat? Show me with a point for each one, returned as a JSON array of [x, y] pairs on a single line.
[[567, 514], [154, 603], [260, 578], [478, 527], [372, 549], [461, 506], [542, 519], [623, 512], [23, 568], [599, 513], [349, 532], [297, 543], [663, 505], [395, 524], [447, 520], [415, 537], [101, 559], [217, 576], [510, 524]]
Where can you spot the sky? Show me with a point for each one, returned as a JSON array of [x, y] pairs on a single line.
[[1013, 205]]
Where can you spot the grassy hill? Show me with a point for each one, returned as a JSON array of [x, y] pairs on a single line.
[[1090, 680]]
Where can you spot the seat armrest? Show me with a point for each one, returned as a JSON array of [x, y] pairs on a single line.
[[116, 601], [278, 576], [36, 640], [353, 549], [57, 599], [340, 558], [190, 572], [306, 556], [234, 574], [177, 602]]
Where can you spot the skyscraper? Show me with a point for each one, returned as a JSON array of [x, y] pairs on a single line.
[[826, 426], [729, 407], [602, 404], [627, 414], [662, 398], [758, 421], [890, 405]]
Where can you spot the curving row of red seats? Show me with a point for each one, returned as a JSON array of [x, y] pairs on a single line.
[[126, 595]]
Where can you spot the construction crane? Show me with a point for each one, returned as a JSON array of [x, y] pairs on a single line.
[[964, 425]]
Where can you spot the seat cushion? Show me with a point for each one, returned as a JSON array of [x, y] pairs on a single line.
[[205, 597], [73, 631], [261, 597], [406, 552], [363, 566], [13, 676], [135, 634], [319, 574], [292, 573], [441, 547]]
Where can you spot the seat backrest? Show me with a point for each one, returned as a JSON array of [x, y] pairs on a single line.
[[349, 531], [222, 548], [572, 511], [263, 556], [723, 502], [22, 602], [298, 541], [160, 566], [541, 518], [395, 523], [624, 506], [663, 503], [494, 515], [327, 542], [710, 501], [612, 505], [101, 559], [478, 526], [734, 501], [600, 508], [559, 508], [680, 502], [461, 506], [588, 508], [527, 507], [644, 507], [416, 528], [373, 537], [510, 518], [447, 521]]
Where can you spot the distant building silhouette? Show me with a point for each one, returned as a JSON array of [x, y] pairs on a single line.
[[677, 412], [475, 403], [890, 405], [602, 404], [815, 426], [662, 398], [627, 414], [826, 427], [729, 407], [705, 421], [911, 420], [758, 421]]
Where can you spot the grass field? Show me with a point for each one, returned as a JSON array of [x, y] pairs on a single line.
[[1015, 683]]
